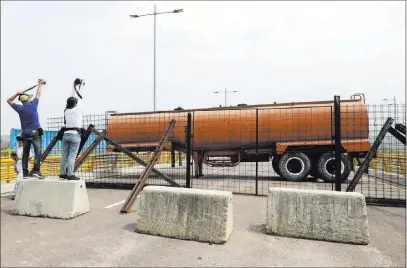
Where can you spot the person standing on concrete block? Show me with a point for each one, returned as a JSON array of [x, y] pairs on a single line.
[[72, 133], [31, 130], [17, 156]]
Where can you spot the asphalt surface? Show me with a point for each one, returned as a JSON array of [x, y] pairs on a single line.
[[104, 238], [241, 179]]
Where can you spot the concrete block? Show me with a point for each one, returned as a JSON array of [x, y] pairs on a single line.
[[317, 214], [190, 214], [60, 199]]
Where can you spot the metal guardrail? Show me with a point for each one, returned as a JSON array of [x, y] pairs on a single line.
[[389, 163], [94, 162]]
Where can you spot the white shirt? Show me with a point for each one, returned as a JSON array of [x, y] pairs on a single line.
[[73, 116]]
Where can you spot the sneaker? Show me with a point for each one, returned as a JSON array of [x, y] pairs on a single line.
[[73, 178], [64, 176], [13, 197], [37, 174]]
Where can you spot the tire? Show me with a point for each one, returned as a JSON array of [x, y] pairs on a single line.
[[326, 167], [274, 164], [294, 166]]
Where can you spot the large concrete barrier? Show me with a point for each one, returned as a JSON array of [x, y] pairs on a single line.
[[316, 214], [60, 199], [191, 214]]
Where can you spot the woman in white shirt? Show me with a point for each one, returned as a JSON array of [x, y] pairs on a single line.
[[72, 137]]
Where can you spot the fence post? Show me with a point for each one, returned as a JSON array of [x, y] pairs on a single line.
[[338, 146], [172, 157], [188, 153], [257, 151]]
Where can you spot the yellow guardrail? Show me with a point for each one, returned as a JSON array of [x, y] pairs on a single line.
[[94, 162], [6, 166], [389, 163]]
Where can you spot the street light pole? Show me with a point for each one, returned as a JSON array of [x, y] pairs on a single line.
[[226, 92], [394, 105], [226, 98], [155, 34]]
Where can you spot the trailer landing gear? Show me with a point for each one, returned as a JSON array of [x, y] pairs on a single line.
[[198, 164]]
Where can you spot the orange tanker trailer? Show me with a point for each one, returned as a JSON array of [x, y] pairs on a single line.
[[296, 137]]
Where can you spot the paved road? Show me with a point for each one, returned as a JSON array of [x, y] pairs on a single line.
[[394, 179], [104, 238], [241, 179]]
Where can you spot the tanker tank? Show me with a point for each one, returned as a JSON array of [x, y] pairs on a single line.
[[299, 134]]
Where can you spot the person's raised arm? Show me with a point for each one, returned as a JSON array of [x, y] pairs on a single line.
[[40, 84], [77, 92], [11, 99]]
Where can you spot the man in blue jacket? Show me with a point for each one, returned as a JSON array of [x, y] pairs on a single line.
[[31, 130]]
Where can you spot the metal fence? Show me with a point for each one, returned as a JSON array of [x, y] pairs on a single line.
[[249, 150], [106, 167]]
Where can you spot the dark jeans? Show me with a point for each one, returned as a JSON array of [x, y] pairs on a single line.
[[36, 141]]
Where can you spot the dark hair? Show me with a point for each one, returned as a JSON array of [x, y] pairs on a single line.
[[18, 138], [71, 102], [77, 81]]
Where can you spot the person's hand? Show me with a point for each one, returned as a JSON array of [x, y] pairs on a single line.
[[41, 81], [20, 93]]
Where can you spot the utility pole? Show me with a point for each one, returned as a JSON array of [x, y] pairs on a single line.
[[226, 92], [155, 34]]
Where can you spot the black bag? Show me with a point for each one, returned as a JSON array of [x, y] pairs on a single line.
[[82, 132], [60, 134]]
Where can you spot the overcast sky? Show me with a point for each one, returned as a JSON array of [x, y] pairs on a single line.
[[268, 51]]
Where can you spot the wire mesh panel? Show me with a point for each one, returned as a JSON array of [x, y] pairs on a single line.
[[385, 178], [298, 141], [220, 141], [139, 134], [95, 164], [248, 150]]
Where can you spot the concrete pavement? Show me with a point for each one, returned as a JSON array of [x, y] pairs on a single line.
[[105, 238]]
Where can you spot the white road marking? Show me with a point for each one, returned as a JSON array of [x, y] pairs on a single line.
[[115, 204]]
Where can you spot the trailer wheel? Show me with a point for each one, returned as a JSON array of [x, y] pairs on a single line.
[[294, 166], [326, 167], [274, 164]]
